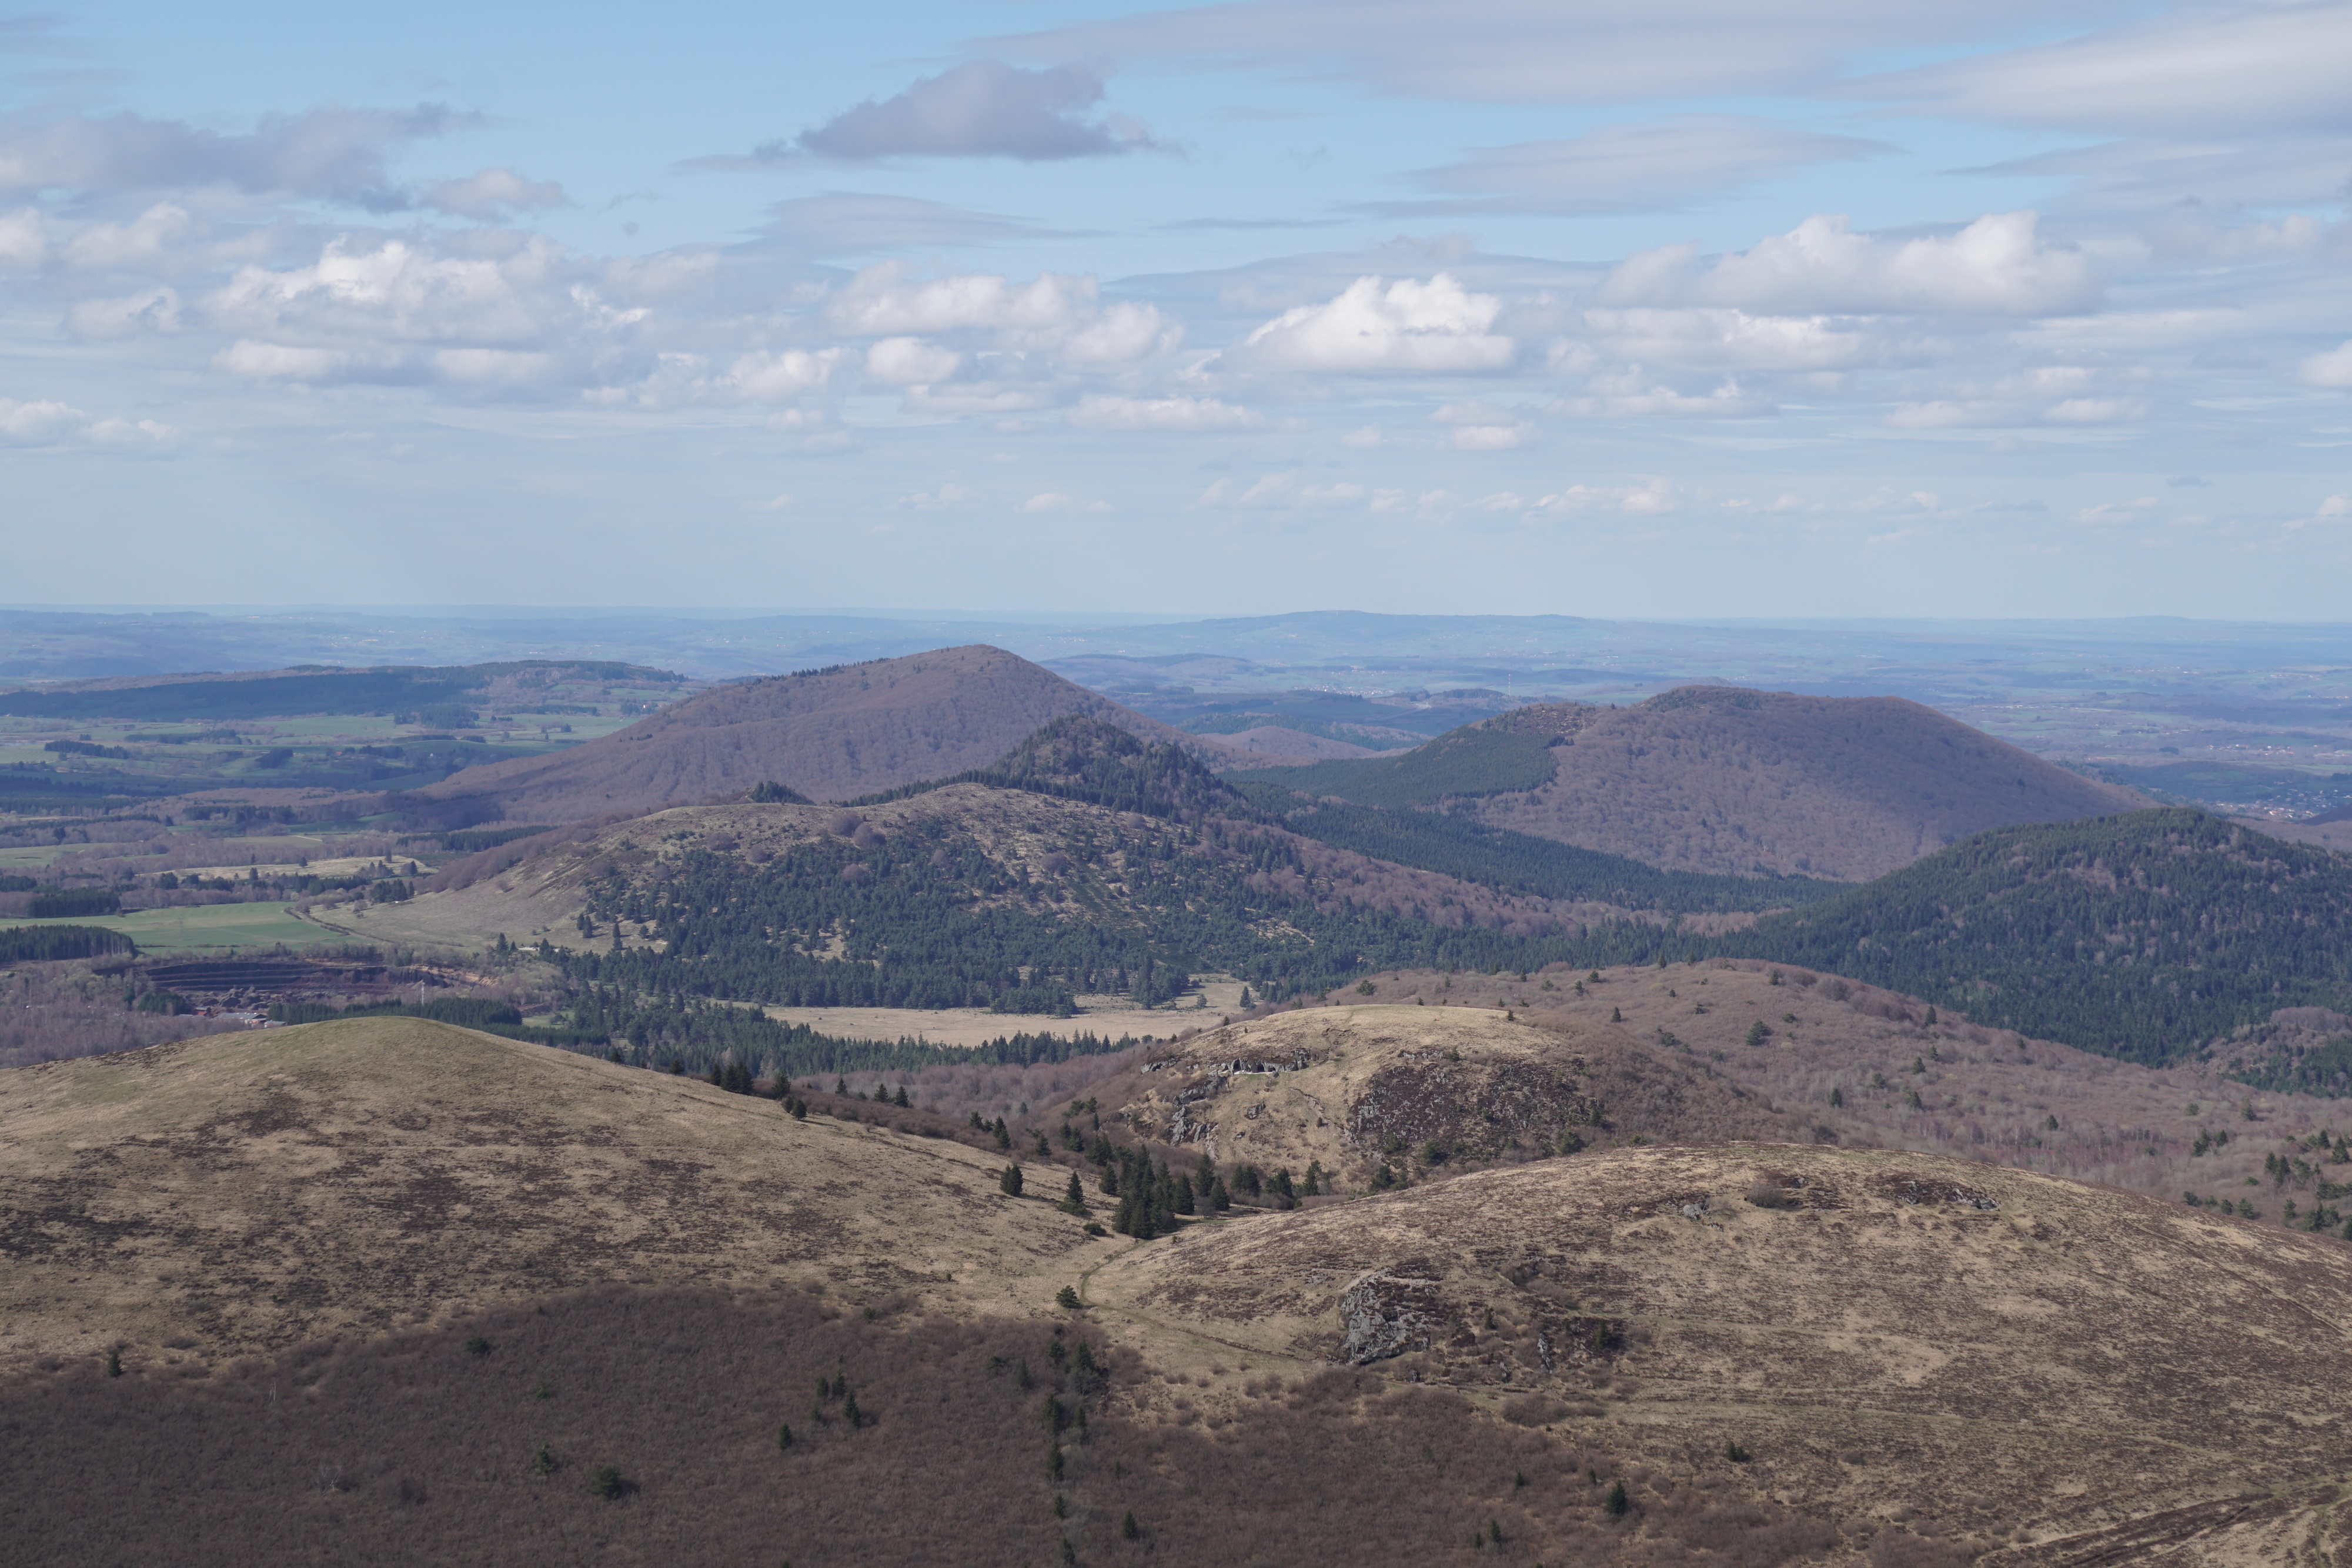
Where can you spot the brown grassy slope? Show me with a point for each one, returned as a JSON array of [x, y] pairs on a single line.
[[409, 1450], [1352, 1087], [1983, 1094], [1722, 779], [540, 884], [1992, 1349], [252, 1191], [858, 731]]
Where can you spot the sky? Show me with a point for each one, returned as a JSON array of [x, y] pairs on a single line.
[[1821, 308]]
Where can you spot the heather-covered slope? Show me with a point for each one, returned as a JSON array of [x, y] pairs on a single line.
[[2089, 1375], [1722, 779], [251, 1190], [833, 734]]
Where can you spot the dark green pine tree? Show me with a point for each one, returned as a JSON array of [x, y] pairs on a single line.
[[1074, 1201]]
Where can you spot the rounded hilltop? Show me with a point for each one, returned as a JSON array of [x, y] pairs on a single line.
[[1419, 1089]]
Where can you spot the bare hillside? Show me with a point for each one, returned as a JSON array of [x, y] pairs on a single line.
[[252, 1191], [2089, 1375], [1722, 779], [832, 735]]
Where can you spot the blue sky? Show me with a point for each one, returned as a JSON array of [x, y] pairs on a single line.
[[1696, 308]]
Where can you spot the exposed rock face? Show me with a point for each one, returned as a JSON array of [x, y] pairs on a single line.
[[1419, 1089], [1386, 1313]]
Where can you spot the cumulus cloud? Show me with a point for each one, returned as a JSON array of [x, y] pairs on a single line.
[[128, 316], [1099, 412], [493, 195], [1052, 313], [1997, 266], [331, 154], [1481, 426], [49, 423], [2332, 368], [1627, 167], [1653, 496], [910, 362], [1405, 327], [982, 109], [1053, 501], [1632, 394], [24, 239]]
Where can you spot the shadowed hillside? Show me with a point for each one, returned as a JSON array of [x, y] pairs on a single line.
[[1711, 779]]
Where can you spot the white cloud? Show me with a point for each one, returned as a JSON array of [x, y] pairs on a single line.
[[1053, 501], [493, 195], [2332, 368], [1101, 412], [1284, 492], [910, 362], [1627, 167], [49, 423], [1363, 437], [981, 109], [282, 362], [1998, 264], [1481, 426], [1733, 339], [1053, 312], [1409, 326], [141, 242], [24, 239], [1631, 395], [1650, 497], [1122, 334], [977, 398]]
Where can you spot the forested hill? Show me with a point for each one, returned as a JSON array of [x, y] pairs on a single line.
[[2143, 936], [1081, 758]]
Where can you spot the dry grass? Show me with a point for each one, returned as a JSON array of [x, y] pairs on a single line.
[[248, 1191], [1985, 1094], [1903, 1336]]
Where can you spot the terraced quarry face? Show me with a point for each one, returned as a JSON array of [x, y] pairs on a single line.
[[1353, 1088], [245, 1192], [2018, 1350]]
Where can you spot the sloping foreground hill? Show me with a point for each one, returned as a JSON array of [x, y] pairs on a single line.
[[830, 735], [2145, 936], [246, 1191], [1723, 779], [1990, 1353], [1416, 1089]]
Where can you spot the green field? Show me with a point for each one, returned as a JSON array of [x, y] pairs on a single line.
[[208, 928]]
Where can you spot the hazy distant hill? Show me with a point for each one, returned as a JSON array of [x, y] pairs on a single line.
[[832, 734], [311, 689], [1715, 779]]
